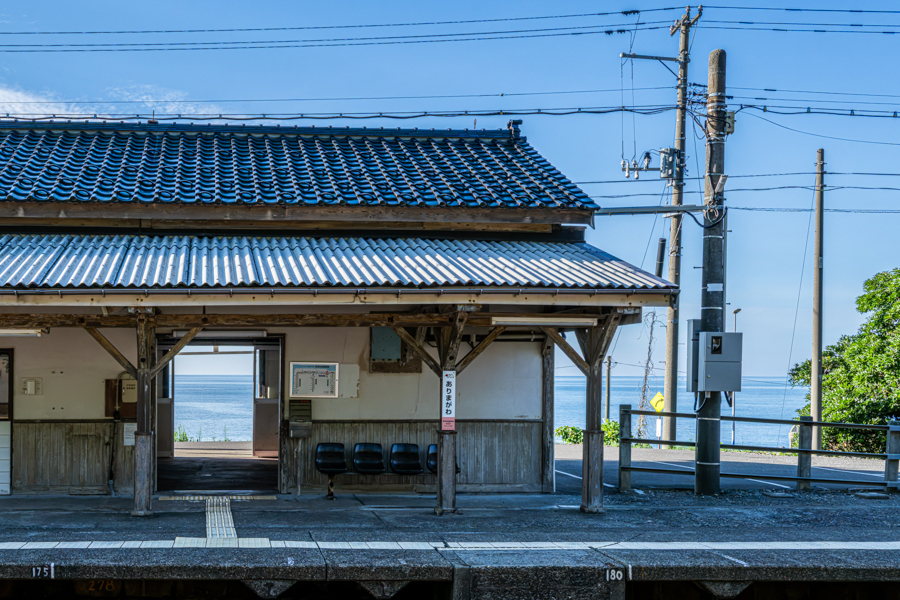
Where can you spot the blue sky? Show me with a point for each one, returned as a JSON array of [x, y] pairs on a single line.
[[766, 249]]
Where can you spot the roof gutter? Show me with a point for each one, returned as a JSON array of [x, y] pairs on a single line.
[[59, 292]]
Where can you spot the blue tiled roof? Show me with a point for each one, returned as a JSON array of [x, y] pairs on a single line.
[[99, 162]]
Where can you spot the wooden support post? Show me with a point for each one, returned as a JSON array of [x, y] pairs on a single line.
[[448, 349], [592, 342], [143, 451], [804, 459], [624, 447], [446, 475], [592, 473], [548, 433]]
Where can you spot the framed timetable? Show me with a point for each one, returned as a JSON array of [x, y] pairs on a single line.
[[314, 380]]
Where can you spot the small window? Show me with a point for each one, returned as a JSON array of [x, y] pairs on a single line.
[[389, 354]]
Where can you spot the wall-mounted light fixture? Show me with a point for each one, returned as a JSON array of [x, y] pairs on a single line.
[[24, 332], [548, 321]]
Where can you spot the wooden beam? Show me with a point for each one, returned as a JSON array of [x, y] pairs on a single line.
[[418, 349], [174, 350], [479, 348], [188, 321], [569, 351], [113, 351], [451, 338], [291, 216]]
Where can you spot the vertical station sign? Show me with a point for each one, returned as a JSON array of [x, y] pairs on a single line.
[[448, 401]]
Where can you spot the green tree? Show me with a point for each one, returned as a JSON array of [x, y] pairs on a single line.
[[861, 372]]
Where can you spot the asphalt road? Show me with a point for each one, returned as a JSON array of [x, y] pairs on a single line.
[[757, 468]]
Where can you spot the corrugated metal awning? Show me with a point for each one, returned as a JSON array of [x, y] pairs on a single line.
[[140, 262]]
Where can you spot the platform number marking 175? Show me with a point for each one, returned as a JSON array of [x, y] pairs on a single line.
[[615, 575], [43, 572]]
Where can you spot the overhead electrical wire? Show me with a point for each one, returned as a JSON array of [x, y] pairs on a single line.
[[830, 173], [571, 28], [820, 135], [832, 93], [37, 117], [818, 10], [387, 40], [318, 27], [332, 99]]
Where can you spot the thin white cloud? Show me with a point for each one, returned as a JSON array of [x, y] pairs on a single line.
[[147, 98], [16, 102], [141, 99]]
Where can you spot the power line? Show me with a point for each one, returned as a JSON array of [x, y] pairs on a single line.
[[200, 45], [333, 45], [319, 27], [802, 24], [803, 210], [806, 91], [819, 135], [334, 99], [762, 189], [404, 115], [819, 10], [632, 181], [784, 30]]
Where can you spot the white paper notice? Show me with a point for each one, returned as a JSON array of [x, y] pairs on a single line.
[[128, 431]]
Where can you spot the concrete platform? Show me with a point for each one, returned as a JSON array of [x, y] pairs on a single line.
[[659, 543]]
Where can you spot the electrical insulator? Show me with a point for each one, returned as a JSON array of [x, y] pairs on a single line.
[[634, 166], [646, 160], [625, 168]]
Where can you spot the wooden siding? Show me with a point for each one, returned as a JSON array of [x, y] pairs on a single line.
[[492, 455], [70, 457]]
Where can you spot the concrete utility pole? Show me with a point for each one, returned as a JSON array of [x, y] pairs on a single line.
[[712, 298], [670, 387], [816, 362]]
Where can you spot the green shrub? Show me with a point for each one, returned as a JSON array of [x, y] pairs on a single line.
[[570, 434], [181, 435], [610, 433]]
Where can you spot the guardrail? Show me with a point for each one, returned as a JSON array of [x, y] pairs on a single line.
[[804, 453]]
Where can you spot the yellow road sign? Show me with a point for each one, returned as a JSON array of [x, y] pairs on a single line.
[[657, 402]]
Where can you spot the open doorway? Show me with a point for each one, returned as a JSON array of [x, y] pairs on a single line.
[[218, 409]]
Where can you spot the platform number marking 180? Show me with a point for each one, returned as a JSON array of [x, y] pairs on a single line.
[[43, 572], [615, 575]]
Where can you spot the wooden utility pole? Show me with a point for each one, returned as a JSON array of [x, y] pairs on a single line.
[[816, 363], [712, 298], [670, 387]]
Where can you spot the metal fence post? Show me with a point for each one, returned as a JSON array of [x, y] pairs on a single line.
[[624, 447], [892, 449], [804, 459]]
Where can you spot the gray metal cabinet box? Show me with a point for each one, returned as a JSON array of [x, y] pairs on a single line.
[[693, 351], [719, 362]]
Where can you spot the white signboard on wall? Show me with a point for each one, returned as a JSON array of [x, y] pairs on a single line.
[[314, 380], [448, 401]]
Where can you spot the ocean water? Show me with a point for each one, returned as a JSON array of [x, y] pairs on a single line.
[[761, 397], [215, 406]]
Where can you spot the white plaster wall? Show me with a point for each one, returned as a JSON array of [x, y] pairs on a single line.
[[72, 366], [503, 383]]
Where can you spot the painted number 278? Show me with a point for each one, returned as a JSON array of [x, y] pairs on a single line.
[[615, 575], [44, 572]]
